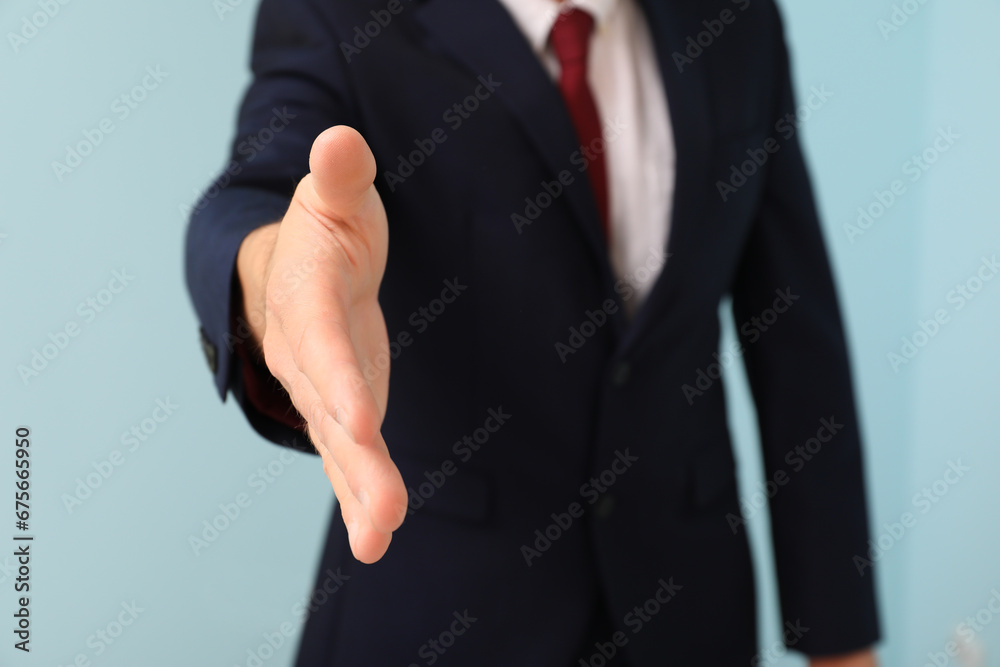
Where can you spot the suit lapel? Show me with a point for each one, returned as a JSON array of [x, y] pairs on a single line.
[[483, 37], [690, 112]]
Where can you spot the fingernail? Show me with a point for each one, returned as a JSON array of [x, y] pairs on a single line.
[[363, 498], [341, 418]]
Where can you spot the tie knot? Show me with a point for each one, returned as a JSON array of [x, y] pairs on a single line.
[[570, 36]]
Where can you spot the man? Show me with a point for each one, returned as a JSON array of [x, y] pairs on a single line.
[[570, 191]]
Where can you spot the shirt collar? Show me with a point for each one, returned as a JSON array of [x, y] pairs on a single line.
[[535, 18]]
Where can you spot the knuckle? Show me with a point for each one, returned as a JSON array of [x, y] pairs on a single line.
[[315, 412]]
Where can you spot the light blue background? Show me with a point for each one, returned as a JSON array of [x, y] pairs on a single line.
[[122, 209]]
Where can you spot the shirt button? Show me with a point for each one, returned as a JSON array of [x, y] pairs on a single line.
[[620, 374], [605, 506]]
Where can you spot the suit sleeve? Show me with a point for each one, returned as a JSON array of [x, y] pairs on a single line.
[[800, 376], [299, 89]]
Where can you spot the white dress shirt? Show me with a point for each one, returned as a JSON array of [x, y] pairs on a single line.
[[625, 79]]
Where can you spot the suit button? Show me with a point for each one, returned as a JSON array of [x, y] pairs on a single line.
[[605, 506], [211, 353], [620, 374]]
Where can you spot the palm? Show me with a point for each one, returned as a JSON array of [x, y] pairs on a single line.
[[325, 337]]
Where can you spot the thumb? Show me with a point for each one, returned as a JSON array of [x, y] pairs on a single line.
[[343, 170]]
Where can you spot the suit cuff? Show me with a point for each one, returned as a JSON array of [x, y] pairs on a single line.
[[216, 229]]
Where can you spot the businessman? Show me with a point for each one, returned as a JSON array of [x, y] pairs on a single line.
[[530, 212]]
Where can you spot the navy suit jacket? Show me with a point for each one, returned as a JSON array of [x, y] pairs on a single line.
[[562, 458]]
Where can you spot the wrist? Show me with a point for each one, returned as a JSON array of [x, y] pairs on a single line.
[[252, 268]]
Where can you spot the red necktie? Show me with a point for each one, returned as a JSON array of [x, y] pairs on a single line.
[[570, 39]]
